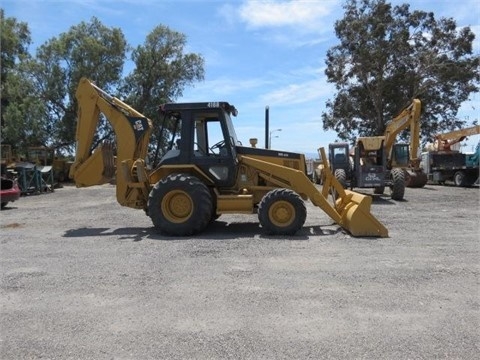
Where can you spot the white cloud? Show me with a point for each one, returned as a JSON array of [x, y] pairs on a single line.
[[303, 85], [297, 93], [264, 14]]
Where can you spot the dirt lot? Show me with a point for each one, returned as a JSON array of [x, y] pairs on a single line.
[[84, 278]]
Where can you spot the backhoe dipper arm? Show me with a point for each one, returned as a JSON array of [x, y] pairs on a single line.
[[132, 131]]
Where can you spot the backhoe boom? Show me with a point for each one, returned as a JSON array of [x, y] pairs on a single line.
[[132, 131]]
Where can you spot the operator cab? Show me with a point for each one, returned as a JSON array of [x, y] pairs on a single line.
[[400, 156], [203, 135], [338, 154]]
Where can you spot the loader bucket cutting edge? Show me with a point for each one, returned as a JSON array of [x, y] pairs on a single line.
[[357, 218]]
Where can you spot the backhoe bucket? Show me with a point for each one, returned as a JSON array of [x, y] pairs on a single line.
[[356, 218], [415, 178], [98, 169]]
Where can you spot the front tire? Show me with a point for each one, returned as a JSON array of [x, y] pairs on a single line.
[[180, 205], [398, 184], [341, 176], [282, 212]]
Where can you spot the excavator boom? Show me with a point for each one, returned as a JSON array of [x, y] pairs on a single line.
[[410, 116]]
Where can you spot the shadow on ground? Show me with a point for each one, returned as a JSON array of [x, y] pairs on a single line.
[[219, 230]]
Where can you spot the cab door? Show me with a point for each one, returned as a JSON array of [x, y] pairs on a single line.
[[213, 151]]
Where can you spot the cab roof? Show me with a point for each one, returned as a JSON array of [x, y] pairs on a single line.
[[174, 107]]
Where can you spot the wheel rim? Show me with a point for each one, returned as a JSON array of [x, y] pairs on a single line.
[[458, 179], [281, 213], [177, 206]]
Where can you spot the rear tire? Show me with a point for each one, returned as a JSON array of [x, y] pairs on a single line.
[[282, 212], [180, 205], [460, 179], [398, 184]]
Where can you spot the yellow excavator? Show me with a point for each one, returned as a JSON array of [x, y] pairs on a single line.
[[379, 161], [204, 171], [402, 155]]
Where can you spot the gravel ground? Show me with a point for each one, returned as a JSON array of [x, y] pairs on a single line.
[[84, 278]]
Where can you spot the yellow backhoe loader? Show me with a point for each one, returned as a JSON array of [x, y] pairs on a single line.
[[205, 171]]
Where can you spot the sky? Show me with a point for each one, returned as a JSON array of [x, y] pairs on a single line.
[[258, 54]]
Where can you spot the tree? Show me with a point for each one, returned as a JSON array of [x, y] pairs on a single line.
[[87, 49], [21, 108], [388, 56], [40, 91], [162, 71]]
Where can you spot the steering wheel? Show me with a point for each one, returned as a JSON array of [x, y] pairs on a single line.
[[218, 145]]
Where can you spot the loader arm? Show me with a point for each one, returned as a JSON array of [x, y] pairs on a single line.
[[350, 210], [132, 131]]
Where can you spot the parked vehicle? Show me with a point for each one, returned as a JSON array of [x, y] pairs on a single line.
[[443, 164], [379, 161], [452, 166], [204, 171], [402, 155], [9, 191], [365, 166]]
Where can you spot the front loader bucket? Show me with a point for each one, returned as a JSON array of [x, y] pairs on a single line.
[[351, 210], [356, 218]]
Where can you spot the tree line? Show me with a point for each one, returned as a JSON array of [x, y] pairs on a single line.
[[38, 91], [386, 56]]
